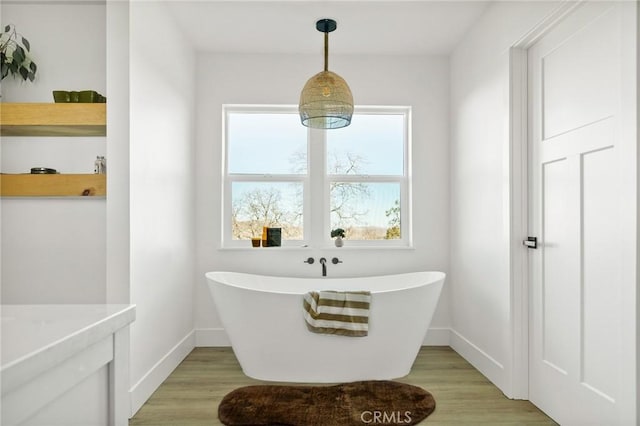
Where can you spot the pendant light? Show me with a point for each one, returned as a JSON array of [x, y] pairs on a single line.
[[326, 101]]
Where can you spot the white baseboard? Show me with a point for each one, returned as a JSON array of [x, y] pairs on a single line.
[[141, 391], [211, 337], [217, 337], [437, 336], [483, 362]]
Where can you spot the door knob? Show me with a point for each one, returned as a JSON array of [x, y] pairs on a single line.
[[531, 242]]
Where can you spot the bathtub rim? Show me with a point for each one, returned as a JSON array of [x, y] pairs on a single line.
[[435, 277]]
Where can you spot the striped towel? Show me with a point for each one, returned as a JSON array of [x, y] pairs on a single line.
[[337, 312]]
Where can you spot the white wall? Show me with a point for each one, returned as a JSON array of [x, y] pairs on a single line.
[[67, 43], [162, 185], [118, 221], [636, 347], [53, 250], [421, 82], [480, 257]]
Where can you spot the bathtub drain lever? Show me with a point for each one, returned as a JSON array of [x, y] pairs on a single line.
[[335, 261], [310, 261]]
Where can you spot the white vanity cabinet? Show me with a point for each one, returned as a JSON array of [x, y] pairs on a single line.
[[65, 364]]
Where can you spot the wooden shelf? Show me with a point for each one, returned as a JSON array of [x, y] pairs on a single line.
[[59, 185], [53, 119]]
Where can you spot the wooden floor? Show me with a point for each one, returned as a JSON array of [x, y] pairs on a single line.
[[190, 396]]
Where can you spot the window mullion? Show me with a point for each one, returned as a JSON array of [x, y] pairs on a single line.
[[265, 178], [366, 178], [318, 195]]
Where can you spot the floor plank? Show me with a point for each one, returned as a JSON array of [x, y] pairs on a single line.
[[191, 394]]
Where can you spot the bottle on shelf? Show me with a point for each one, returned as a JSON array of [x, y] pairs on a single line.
[[100, 165]]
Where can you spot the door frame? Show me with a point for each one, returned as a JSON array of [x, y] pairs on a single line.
[[519, 154], [629, 155]]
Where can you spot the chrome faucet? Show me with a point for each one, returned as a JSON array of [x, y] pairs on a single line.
[[323, 261]]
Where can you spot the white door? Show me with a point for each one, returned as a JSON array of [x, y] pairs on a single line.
[[576, 303]]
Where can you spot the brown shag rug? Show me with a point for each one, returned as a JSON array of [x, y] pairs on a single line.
[[358, 403]]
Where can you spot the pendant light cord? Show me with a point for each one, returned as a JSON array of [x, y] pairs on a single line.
[[326, 51]]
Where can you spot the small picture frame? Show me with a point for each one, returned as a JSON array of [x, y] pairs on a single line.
[[274, 237]]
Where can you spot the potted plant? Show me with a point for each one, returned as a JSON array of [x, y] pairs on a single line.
[[338, 234], [14, 55]]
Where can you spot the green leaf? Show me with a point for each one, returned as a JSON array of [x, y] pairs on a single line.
[[4, 70], [33, 67], [7, 28], [32, 76], [24, 73], [18, 55], [26, 44]]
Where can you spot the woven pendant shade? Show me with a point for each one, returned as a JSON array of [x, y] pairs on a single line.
[[326, 101]]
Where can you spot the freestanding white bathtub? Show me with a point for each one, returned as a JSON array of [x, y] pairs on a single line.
[[263, 317]]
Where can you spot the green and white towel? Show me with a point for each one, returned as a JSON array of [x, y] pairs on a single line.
[[337, 312]]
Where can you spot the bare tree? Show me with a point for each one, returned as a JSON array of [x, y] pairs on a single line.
[[346, 196], [348, 164], [255, 209], [264, 207], [298, 161]]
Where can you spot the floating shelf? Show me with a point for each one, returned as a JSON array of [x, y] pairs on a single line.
[[58, 185], [53, 119]]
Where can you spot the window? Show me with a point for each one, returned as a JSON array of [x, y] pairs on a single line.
[[278, 173]]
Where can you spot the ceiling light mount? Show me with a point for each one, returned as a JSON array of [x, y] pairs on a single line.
[[326, 25], [326, 101]]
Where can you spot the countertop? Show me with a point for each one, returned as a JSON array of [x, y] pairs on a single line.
[[35, 337]]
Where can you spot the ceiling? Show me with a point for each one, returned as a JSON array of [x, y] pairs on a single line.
[[364, 27]]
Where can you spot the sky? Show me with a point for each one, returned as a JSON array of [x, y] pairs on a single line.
[[267, 143]]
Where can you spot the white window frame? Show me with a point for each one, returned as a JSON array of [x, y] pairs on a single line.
[[404, 181], [228, 179], [316, 229]]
